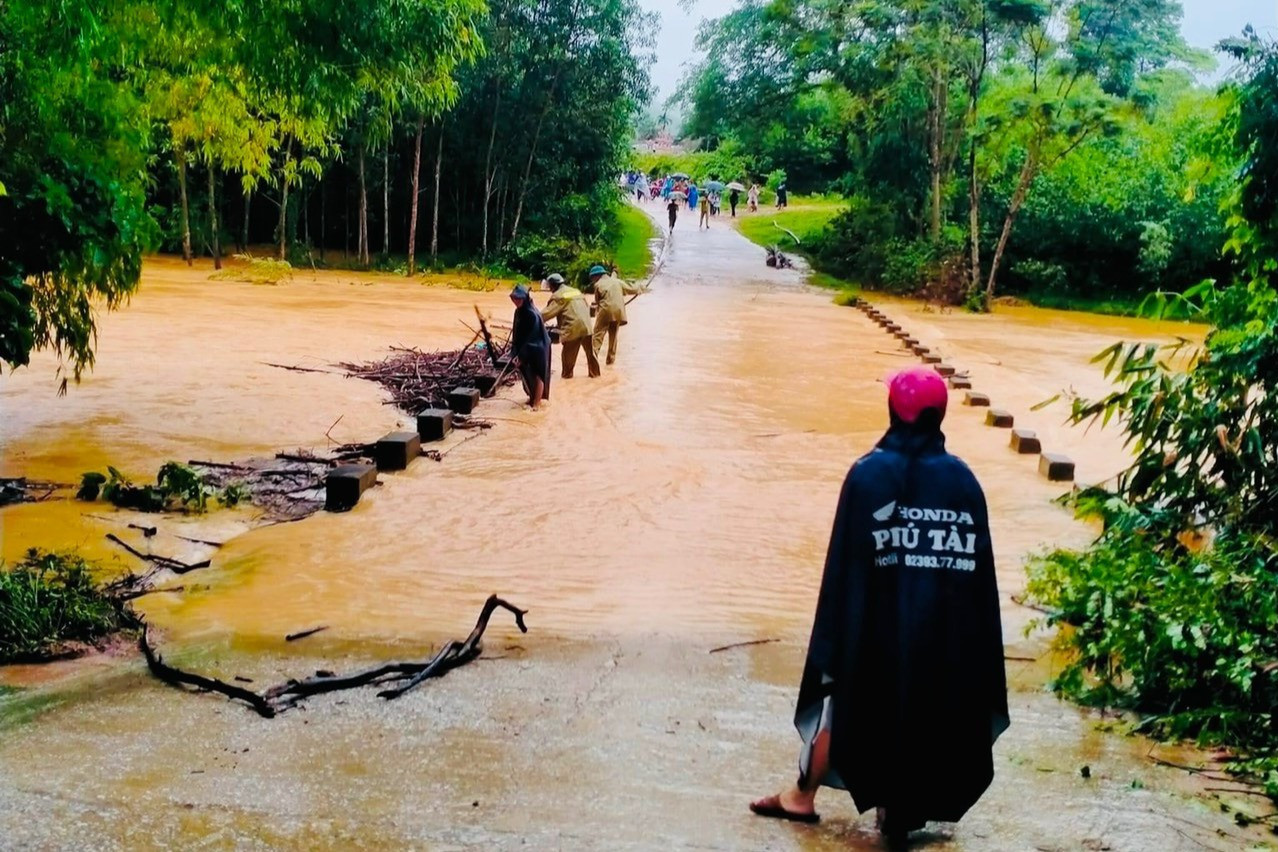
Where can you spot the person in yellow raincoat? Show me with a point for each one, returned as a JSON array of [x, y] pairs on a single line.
[[568, 305], [610, 308]]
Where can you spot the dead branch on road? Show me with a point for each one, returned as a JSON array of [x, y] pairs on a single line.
[[285, 695]]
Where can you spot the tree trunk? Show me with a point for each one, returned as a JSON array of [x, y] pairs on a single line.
[[386, 201], [1018, 197], [434, 224], [244, 228], [323, 231], [361, 247], [283, 225], [186, 213], [523, 189], [412, 210], [974, 223], [215, 240], [489, 173], [936, 121]]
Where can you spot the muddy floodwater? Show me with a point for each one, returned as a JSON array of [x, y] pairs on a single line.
[[678, 503]]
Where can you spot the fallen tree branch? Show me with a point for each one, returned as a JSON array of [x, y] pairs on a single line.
[[177, 677], [175, 565], [285, 695], [455, 654]]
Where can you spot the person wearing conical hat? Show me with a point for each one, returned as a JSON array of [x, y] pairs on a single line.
[[903, 692], [568, 306], [610, 308]]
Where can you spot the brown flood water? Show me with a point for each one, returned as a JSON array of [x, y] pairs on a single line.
[[681, 501]]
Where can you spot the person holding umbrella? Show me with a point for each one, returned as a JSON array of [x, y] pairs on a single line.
[[734, 196], [672, 208], [568, 305], [610, 308], [530, 346]]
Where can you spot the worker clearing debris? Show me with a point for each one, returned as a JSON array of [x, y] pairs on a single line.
[[610, 308], [530, 345], [569, 307]]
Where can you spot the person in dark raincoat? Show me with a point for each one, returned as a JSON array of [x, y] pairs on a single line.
[[903, 692], [530, 344]]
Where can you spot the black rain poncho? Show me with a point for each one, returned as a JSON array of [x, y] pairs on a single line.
[[905, 663], [530, 342]]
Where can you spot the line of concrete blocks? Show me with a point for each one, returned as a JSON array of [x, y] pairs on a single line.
[[345, 484], [1054, 466]]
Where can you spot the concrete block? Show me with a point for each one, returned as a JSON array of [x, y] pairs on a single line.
[[1056, 467], [975, 399], [929, 357], [893, 327], [960, 383], [910, 341], [463, 400], [998, 418], [345, 484], [1025, 442], [485, 384], [946, 370], [397, 450], [434, 424], [919, 349]]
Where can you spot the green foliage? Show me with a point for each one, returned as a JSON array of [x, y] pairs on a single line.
[[1174, 610], [50, 599], [177, 487], [256, 270], [632, 238]]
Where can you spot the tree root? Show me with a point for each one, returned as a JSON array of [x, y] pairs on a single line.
[[285, 695]]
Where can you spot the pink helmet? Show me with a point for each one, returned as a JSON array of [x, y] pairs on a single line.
[[913, 390]]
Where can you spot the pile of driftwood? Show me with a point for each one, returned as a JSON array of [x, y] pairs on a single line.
[[287, 486], [22, 490], [419, 380], [398, 678]]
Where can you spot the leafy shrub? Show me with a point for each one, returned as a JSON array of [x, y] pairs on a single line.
[[1041, 276], [49, 599], [258, 270], [177, 487]]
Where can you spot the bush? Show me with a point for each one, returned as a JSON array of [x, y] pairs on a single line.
[[258, 270], [49, 599], [177, 487]]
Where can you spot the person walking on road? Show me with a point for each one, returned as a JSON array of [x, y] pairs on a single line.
[[692, 196], [610, 308], [672, 212], [733, 197], [530, 345], [783, 196], [904, 691], [569, 307], [753, 197], [705, 213]]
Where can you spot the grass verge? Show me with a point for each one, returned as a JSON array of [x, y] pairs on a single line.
[[49, 604], [631, 242]]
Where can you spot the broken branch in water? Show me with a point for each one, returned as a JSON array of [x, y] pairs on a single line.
[[285, 695], [175, 565], [302, 634], [742, 645]]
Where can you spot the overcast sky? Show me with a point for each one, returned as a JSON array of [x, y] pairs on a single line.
[[1206, 22]]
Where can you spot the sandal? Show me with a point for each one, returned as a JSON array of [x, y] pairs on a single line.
[[771, 807]]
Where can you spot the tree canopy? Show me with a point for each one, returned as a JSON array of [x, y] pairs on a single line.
[[115, 116]]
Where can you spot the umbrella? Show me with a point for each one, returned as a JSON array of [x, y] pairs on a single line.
[[679, 176], [679, 196], [714, 186], [737, 186]]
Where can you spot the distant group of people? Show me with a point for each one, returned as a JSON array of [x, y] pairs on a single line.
[[678, 189], [530, 338]]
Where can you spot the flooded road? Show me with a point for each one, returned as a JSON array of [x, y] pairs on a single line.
[[679, 502]]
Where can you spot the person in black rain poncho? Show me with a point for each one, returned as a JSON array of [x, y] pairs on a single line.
[[530, 344], [903, 692]]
